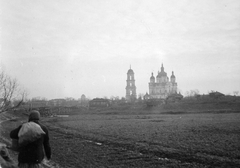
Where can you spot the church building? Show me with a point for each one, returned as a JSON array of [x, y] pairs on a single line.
[[160, 87], [131, 94]]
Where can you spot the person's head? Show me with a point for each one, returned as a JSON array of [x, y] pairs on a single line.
[[34, 116]]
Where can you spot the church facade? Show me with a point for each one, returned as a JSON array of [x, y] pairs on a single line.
[[161, 87]]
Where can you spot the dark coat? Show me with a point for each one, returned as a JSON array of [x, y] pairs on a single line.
[[33, 152]]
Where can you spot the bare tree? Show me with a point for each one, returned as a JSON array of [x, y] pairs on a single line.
[[192, 93], [10, 90], [69, 99], [187, 94], [140, 97], [235, 93]]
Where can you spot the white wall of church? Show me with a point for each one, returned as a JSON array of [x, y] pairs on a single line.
[[162, 87]]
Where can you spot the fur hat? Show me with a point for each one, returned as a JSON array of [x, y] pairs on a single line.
[[34, 115]]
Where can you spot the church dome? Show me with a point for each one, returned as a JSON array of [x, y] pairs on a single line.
[[172, 76], [162, 73], [152, 77], [130, 71]]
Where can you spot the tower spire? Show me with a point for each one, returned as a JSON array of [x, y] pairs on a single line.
[[162, 68]]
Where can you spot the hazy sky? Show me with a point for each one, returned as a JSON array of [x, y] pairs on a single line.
[[59, 48]]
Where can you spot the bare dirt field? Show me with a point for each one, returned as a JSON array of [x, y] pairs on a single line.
[[143, 138]]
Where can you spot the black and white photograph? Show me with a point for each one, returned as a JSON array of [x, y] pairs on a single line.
[[119, 83]]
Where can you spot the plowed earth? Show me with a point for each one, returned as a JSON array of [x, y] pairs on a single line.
[[143, 140]]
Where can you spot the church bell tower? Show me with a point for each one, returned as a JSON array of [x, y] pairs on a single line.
[[130, 88]]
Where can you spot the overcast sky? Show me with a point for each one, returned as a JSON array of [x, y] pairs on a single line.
[[59, 48]]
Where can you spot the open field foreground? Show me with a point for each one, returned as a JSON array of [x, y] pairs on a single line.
[[143, 139]]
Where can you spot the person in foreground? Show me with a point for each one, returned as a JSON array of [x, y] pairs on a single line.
[[31, 149]]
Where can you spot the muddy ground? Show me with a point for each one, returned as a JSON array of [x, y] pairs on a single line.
[[97, 140]]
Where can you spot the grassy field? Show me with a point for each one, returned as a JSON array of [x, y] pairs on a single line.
[[143, 138]]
